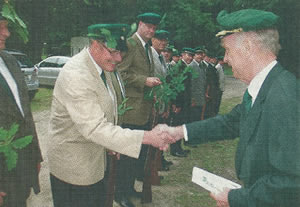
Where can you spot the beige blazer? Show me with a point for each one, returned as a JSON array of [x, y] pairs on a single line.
[[135, 68], [82, 124]]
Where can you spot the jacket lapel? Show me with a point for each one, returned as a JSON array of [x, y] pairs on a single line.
[[143, 52], [10, 64], [250, 121], [101, 86]]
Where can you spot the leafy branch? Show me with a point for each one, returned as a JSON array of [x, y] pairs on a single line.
[[122, 107], [15, 21], [171, 86], [9, 146]]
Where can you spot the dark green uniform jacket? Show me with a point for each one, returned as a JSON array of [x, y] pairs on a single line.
[[268, 153]]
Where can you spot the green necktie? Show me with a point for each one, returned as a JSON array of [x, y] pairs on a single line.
[[147, 51], [247, 100], [161, 59], [103, 78]]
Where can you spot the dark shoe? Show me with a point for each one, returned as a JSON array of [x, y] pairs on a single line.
[[179, 154], [133, 193], [190, 145], [166, 162], [186, 151], [124, 202], [165, 168]]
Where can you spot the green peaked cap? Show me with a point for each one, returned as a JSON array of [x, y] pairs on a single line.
[[200, 49], [113, 34], [245, 20], [161, 34], [150, 18], [188, 50]]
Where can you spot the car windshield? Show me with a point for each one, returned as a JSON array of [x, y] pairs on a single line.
[[24, 61]]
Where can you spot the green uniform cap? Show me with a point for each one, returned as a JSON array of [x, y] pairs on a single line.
[[188, 50], [150, 18], [175, 52], [245, 20], [200, 49], [17, 25], [161, 34], [112, 34], [169, 48]]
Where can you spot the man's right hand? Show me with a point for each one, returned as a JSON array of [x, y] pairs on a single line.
[[152, 81], [158, 138], [2, 194]]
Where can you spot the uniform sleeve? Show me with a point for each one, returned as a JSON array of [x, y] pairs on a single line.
[[217, 128]]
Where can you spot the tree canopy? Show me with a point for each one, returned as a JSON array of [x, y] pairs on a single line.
[[52, 23]]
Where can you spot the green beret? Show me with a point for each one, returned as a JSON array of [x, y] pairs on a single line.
[[161, 34], [112, 34], [220, 57], [210, 54], [169, 48], [200, 49], [175, 52], [150, 18], [245, 20], [188, 50], [9, 14]]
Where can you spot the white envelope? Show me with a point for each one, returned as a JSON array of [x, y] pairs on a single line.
[[212, 182]]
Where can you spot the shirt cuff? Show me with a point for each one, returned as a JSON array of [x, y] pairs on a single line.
[[185, 133]]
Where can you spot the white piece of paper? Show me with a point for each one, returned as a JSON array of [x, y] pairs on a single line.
[[212, 182]]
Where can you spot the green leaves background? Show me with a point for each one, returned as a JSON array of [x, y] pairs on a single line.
[[9, 146]]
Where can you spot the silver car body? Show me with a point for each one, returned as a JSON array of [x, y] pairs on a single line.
[[30, 72], [49, 69]]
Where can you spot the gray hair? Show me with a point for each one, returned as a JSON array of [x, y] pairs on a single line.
[[267, 39]]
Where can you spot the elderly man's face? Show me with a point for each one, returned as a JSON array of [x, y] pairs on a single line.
[[159, 44], [146, 31], [4, 33], [106, 58], [235, 53]]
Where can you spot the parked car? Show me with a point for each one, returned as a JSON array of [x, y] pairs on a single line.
[[30, 72], [49, 69]]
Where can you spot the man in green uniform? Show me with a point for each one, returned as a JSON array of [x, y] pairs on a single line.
[[267, 121]]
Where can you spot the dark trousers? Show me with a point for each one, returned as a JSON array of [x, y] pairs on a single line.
[[68, 195], [195, 113], [129, 169]]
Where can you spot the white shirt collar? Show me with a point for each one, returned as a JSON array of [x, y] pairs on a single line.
[[141, 39], [257, 81]]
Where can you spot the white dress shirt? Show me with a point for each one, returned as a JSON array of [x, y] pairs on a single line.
[[11, 83]]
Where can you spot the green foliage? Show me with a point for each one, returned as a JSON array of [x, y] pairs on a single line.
[[9, 146], [171, 86], [15, 21], [122, 107], [111, 42]]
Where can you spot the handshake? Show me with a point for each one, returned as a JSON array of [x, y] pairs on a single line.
[[162, 135]]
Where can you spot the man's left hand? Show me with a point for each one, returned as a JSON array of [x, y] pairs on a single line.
[[221, 198]]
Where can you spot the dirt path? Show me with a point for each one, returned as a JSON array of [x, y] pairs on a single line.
[[161, 194]]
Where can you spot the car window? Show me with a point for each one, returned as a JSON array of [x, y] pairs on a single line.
[[62, 61], [50, 62], [23, 61]]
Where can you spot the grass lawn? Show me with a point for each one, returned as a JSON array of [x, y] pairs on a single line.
[[42, 100]]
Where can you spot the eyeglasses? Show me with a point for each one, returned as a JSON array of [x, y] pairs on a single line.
[[113, 52]]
